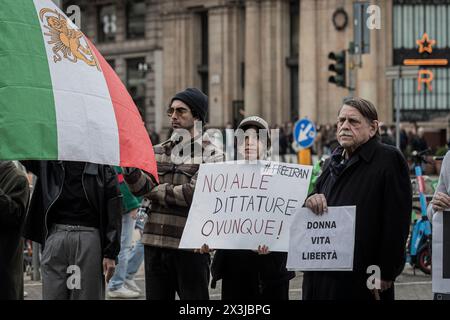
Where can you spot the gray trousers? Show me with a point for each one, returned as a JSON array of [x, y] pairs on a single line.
[[72, 264]]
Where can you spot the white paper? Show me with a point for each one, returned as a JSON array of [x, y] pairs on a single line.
[[324, 242], [255, 207], [439, 284]]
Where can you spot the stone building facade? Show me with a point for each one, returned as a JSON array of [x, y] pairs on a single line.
[[265, 57]]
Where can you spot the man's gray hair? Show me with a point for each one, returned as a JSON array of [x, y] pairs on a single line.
[[365, 107]]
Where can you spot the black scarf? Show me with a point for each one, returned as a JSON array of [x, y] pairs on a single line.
[[338, 162]]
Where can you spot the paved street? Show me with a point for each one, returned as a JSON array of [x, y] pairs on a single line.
[[408, 287]]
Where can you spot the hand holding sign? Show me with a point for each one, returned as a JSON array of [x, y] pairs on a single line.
[[204, 249], [441, 201], [317, 204], [263, 250]]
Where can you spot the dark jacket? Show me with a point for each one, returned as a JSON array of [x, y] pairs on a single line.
[[101, 187], [14, 195], [271, 267], [376, 180]]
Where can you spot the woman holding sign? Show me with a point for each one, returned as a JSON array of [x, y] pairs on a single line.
[[258, 274], [439, 203], [375, 177]]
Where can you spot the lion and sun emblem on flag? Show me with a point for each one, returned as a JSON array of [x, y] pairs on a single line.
[[66, 40]]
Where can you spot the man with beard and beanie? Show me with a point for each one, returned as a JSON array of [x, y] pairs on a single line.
[[375, 178], [75, 213], [169, 270], [14, 195]]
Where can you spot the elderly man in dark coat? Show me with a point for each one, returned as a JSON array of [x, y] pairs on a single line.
[[374, 177], [14, 195]]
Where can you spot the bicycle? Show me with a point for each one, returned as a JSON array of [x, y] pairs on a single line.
[[419, 243]]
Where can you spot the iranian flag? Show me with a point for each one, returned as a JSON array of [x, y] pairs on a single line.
[[59, 98]]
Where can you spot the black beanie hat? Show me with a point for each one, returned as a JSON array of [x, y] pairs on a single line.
[[196, 100]]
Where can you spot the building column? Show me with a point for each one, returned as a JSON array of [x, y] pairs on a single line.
[[217, 78], [267, 70], [252, 100], [274, 50], [180, 59], [225, 57], [160, 105], [281, 109], [385, 37], [308, 60]]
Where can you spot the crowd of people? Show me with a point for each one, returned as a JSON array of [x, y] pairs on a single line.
[[84, 215]]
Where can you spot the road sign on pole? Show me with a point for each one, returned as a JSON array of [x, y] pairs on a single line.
[[397, 73], [304, 133], [404, 72]]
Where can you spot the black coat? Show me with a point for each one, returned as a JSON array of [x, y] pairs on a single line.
[[102, 189], [14, 195], [376, 180], [270, 269]]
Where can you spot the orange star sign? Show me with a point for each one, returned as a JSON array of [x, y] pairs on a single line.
[[425, 44]]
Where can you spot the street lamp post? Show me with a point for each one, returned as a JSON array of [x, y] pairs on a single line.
[[397, 73]]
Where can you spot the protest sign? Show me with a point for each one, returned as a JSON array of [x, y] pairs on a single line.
[[441, 253], [324, 242], [244, 205]]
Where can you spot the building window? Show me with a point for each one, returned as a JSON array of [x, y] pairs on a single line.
[[292, 60], [203, 67], [107, 23], [136, 75], [425, 105], [136, 10], [412, 19]]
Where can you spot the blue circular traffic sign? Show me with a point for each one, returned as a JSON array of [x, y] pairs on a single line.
[[304, 133]]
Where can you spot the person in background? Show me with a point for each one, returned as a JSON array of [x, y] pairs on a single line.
[[418, 142], [137, 253], [154, 137], [291, 155], [441, 202], [386, 138], [117, 287], [14, 196]]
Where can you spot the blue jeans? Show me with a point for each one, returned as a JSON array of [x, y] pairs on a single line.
[[136, 259], [125, 250]]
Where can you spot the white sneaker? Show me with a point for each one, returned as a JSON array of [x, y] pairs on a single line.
[[122, 293], [132, 285]]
